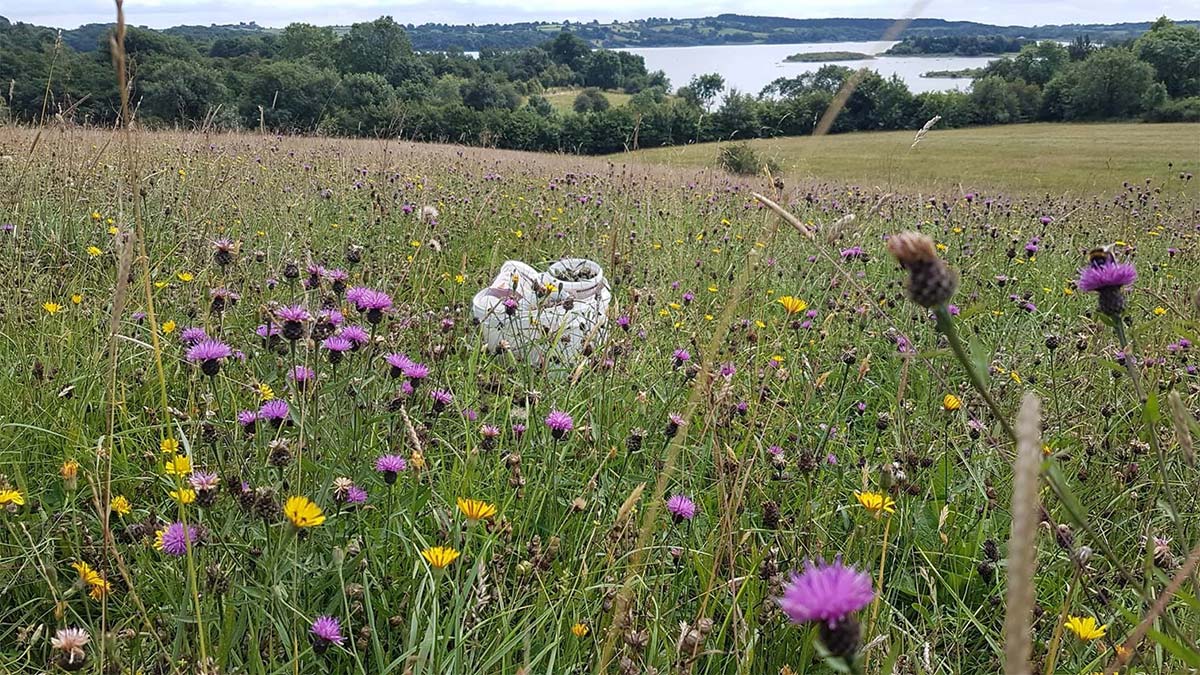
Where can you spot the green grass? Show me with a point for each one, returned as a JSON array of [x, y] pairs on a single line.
[[851, 389], [1026, 158], [564, 99]]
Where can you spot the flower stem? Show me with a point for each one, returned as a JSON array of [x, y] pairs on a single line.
[[946, 325]]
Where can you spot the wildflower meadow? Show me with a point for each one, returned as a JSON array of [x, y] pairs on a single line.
[[249, 424]]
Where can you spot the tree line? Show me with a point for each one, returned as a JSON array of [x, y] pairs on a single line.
[[370, 82]]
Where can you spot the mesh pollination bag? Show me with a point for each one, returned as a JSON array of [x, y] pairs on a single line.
[[547, 318]]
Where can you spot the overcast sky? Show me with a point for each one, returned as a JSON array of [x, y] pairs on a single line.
[[164, 13]]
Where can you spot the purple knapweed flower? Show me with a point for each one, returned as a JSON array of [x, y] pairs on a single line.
[[209, 353], [175, 538], [326, 630], [825, 592], [681, 508], [560, 424]]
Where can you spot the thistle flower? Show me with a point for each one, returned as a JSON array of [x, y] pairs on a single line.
[[399, 363], [274, 411], [70, 642], [209, 353], [681, 356], [560, 424], [302, 377], [830, 594], [357, 335], [293, 319], [681, 508], [441, 399], [303, 512], [389, 466], [192, 335], [325, 631], [175, 538], [439, 557], [1108, 280], [931, 283]]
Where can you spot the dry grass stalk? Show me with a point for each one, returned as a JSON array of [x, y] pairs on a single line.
[[1183, 432], [1022, 543]]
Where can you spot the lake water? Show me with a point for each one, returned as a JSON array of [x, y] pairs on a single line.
[[749, 68]]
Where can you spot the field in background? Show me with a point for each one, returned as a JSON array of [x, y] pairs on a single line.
[[564, 99], [786, 432], [1025, 158]]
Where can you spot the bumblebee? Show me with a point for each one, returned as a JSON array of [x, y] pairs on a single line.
[[1101, 256]]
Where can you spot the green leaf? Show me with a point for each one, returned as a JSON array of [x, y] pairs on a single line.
[[1186, 654], [1150, 413]]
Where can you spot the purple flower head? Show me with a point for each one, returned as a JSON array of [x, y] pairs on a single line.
[[354, 295], [623, 322], [208, 350], [441, 398], [265, 331], [356, 495], [489, 431], [389, 466], [274, 411], [176, 537], [399, 362], [327, 630], [560, 423], [203, 480], [775, 450], [247, 418], [681, 507], [331, 316], [825, 592], [337, 343], [374, 300], [192, 335], [416, 371], [518, 429], [357, 335], [469, 414], [294, 313], [680, 356], [302, 376], [852, 253], [1111, 275]]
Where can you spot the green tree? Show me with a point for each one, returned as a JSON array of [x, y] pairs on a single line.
[[1111, 83], [377, 46], [483, 92], [1037, 63], [293, 95], [1174, 52], [182, 91], [702, 89], [568, 50], [602, 68], [994, 102], [318, 44], [364, 104], [590, 99]]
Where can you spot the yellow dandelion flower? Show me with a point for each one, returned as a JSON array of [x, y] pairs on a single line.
[[476, 510], [11, 497], [439, 557], [87, 575], [460, 279], [792, 305], [96, 215], [94, 251], [950, 402], [178, 465], [303, 512], [69, 469], [875, 502], [184, 496], [160, 284], [185, 277], [51, 307], [518, 234], [580, 630], [120, 506], [168, 327], [76, 298], [112, 229], [169, 446], [265, 392], [1015, 377], [1085, 628], [99, 590], [158, 542], [1159, 311]]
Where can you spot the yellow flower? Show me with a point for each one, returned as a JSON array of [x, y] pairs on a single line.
[[439, 557], [178, 465], [460, 279], [169, 445], [875, 502], [1015, 377], [1086, 628], [69, 469], [113, 229], [951, 402], [99, 590], [580, 630], [86, 574], [475, 509], [96, 215], [168, 327], [158, 534], [120, 505], [94, 251], [184, 496], [185, 277], [303, 512], [1159, 311], [77, 298], [265, 392], [792, 305], [518, 234], [11, 497], [51, 307]]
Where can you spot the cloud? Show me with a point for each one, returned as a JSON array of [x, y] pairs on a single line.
[[164, 13]]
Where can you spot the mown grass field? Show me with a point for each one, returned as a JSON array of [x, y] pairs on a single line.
[[564, 99], [1024, 158], [146, 490]]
